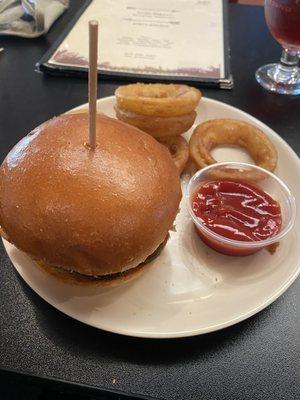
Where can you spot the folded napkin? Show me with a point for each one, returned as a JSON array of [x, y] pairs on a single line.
[[29, 18]]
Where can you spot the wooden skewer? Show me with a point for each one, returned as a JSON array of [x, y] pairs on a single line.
[[93, 80]]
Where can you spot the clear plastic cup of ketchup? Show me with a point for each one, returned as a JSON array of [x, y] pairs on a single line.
[[239, 209]]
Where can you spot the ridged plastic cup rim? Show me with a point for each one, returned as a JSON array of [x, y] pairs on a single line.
[[236, 243]]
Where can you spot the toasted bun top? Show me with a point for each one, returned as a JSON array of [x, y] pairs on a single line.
[[96, 211]]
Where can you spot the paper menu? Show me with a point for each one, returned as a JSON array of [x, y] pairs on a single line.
[[178, 38]]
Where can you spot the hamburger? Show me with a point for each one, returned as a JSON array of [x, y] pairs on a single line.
[[88, 217]]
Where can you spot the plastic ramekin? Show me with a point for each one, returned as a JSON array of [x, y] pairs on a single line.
[[259, 177]]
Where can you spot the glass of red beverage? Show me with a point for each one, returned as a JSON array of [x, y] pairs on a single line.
[[283, 20]]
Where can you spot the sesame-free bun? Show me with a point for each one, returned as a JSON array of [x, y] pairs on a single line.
[[94, 212], [75, 279]]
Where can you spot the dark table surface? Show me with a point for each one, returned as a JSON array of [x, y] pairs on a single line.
[[256, 359]]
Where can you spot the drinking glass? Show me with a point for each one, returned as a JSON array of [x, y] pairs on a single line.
[[283, 20]]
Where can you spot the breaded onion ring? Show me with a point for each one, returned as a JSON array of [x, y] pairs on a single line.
[[218, 132], [179, 149], [157, 99], [158, 126]]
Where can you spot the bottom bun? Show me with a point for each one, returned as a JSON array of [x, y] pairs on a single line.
[[76, 279]]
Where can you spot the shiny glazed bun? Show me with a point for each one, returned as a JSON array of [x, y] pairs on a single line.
[[94, 212]]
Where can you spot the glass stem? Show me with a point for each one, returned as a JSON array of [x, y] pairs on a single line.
[[287, 70]]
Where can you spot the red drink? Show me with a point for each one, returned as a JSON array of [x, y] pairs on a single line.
[[283, 19]]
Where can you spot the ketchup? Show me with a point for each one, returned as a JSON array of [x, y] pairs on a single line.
[[236, 210]]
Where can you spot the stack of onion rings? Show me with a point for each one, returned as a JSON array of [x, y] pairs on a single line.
[[218, 132], [158, 127], [164, 111]]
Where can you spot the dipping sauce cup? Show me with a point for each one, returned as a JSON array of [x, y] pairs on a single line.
[[261, 179]]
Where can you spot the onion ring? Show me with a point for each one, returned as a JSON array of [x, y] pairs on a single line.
[[179, 149], [158, 127], [157, 99], [217, 132]]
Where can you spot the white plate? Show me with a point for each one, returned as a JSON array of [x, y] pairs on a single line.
[[189, 289]]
